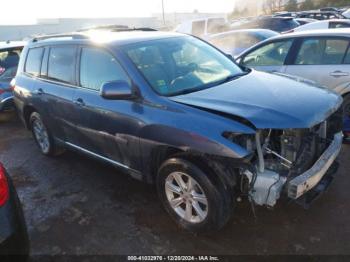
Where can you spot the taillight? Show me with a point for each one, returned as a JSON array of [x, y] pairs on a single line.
[[4, 189], [13, 84], [11, 88]]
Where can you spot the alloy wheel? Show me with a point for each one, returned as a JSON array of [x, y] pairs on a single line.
[[186, 197], [41, 135]]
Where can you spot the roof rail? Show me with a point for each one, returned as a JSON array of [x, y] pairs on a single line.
[[148, 29], [118, 28], [72, 35]]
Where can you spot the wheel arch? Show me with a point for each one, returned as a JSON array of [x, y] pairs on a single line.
[[28, 110], [221, 170]]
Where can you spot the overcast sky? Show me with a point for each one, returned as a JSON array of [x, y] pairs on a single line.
[[27, 11]]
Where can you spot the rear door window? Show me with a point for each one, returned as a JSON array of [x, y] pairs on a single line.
[[33, 62], [338, 25], [321, 51], [272, 54], [61, 64], [105, 68]]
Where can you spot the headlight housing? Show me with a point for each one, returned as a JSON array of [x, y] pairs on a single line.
[[246, 141]]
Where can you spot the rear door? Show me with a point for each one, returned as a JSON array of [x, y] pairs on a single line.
[[269, 57], [323, 60], [56, 86]]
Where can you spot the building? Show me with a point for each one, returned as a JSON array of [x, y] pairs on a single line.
[[61, 25]]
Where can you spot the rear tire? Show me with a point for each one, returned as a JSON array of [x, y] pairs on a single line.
[[196, 200], [43, 137]]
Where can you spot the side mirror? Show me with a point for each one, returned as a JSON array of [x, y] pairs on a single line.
[[119, 89]]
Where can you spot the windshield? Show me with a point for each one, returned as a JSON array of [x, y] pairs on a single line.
[[179, 65]]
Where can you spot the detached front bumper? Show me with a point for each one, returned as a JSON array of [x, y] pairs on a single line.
[[303, 183]]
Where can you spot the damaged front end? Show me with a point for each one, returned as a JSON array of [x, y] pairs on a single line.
[[293, 162]]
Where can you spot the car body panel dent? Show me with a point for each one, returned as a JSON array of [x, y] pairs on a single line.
[[267, 105]]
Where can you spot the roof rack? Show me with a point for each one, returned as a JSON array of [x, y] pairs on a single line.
[[72, 35]]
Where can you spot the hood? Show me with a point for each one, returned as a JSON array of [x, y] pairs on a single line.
[[267, 101]]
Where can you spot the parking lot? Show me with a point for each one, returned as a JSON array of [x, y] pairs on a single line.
[[75, 205]]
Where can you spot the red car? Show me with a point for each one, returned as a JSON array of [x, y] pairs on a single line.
[[14, 243]]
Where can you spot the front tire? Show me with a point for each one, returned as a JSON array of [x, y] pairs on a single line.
[[196, 200], [43, 136]]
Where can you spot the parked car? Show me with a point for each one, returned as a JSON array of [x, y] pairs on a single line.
[[319, 15], [325, 24], [14, 243], [236, 41], [278, 24], [172, 110], [9, 58], [304, 21], [203, 27], [285, 14], [319, 55], [346, 13], [332, 9]]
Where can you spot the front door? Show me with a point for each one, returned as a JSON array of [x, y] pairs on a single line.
[[108, 128], [269, 57]]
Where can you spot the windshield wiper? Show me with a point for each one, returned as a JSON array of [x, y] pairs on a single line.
[[195, 89], [230, 78]]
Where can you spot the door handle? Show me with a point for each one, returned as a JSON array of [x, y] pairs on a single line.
[[39, 91], [339, 73], [79, 102]]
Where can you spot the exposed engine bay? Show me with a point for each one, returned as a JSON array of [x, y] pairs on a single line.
[[281, 156]]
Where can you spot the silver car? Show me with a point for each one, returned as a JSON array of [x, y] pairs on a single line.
[[320, 55]]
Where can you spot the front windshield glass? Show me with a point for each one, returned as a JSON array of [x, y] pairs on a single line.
[[179, 65]]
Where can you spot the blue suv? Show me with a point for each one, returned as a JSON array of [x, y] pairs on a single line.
[[172, 110]]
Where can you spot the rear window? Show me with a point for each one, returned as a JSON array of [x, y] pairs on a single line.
[[33, 62], [61, 66], [282, 25]]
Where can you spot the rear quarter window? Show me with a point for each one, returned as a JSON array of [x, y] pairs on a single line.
[[33, 62]]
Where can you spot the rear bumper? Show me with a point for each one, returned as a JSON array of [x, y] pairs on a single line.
[[6, 104], [303, 183]]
